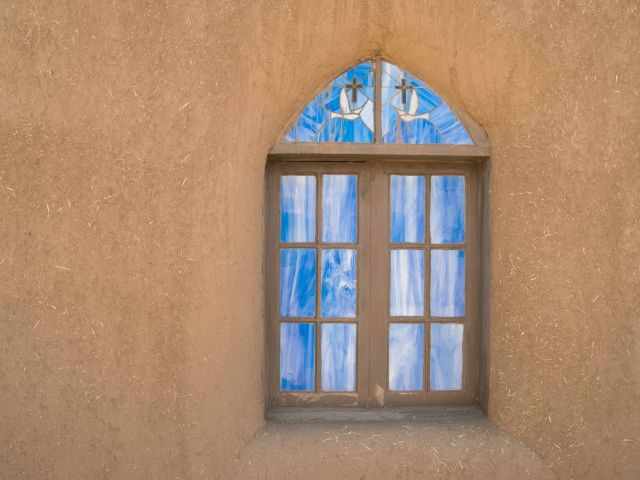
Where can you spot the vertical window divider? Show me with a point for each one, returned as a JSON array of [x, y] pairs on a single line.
[[377, 122], [273, 300], [318, 316], [427, 284]]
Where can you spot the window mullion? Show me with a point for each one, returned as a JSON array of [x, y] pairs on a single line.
[[377, 123], [318, 239]]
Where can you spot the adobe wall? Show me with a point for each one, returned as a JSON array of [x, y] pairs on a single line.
[[134, 137]]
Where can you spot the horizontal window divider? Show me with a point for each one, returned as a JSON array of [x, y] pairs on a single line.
[[407, 246], [297, 245], [335, 392], [423, 246], [346, 246], [446, 246], [298, 320], [421, 319], [299, 399], [428, 397], [386, 151], [447, 319], [353, 320]]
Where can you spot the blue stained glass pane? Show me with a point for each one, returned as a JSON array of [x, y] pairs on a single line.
[[407, 208], [447, 283], [297, 282], [407, 283], [339, 208], [337, 114], [297, 208], [338, 283], [447, 209], [406, 356], [338, 357], [297, 356], [445, 366], [413, 113]]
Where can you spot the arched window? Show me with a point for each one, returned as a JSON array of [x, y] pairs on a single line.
[[373, 254], [410, 112]]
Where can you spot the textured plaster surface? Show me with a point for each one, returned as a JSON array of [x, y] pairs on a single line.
[[133, 138], [469, 449]]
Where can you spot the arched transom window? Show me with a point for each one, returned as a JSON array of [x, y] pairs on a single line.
[[409, 111], [373, 250]]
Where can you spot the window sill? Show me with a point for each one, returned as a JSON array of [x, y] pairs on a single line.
[[428, 415], [406, 443]]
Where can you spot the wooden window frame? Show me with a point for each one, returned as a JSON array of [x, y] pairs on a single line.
[[373, 164]]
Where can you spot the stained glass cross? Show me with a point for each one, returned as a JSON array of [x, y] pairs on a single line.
[[353, 86], [404, 87]]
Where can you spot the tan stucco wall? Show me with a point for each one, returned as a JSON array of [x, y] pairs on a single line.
[[133, 142]]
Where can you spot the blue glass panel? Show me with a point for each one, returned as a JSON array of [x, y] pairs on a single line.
[[338, 357], [297, 356], [407, 208], [447, 209], [338, 295], [339, 113], [297, 208], [445, 367], [406, 356], [407, 283], [298, 282], [447, 283], [413, 113], [339, 208]]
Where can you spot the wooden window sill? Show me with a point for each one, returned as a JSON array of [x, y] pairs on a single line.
[[434, 415]]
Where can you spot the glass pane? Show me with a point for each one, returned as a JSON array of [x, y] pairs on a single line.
[[297, 356], [297, 208], [298, 282], [447, 209], [413, 113], [407, 283], [407, 209], [338, 283], [406, 356], [447, 283], [342, 112], [445, 370], [338, 357], [339, 208]]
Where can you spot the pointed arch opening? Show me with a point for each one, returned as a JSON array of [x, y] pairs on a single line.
[[378, 102]]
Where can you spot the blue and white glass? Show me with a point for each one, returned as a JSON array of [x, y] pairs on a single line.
[[445, 365], [447, 283], [297, 356], [338, 288], [339, 208], [338, 351], [406, 356], [406, 292], [342, 112], [447, 209], [413, 113], [298, 282], [407, 208], [297, 208]]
